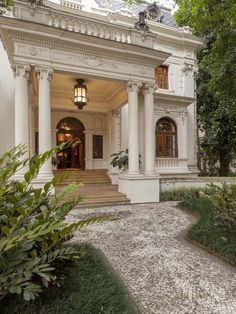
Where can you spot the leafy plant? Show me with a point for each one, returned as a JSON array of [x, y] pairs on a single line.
[[207, 232], [180, 194], [224, 200], [121, 159], [33, 230]]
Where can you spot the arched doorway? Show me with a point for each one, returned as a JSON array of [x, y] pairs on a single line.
[[71, 157]]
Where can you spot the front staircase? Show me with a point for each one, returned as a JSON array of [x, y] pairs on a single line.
[[97, 189]]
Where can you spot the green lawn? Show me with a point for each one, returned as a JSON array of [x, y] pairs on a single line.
[[207, 232], [91, 287]]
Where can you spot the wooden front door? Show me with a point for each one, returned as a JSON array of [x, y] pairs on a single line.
[[71, 157]]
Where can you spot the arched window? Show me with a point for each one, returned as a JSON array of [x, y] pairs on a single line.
[[166, 138], [70, 124]]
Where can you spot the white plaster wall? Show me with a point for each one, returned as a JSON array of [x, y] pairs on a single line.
[[7, 87], [174, 183]]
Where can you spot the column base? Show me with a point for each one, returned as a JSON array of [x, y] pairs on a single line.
[[140, 189], [114, 175], [150, 173], [133, 173]]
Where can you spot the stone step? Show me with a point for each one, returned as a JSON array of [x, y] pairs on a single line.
[[86, 176], [97, 189]]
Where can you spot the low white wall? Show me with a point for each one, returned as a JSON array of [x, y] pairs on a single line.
[[194, 182]]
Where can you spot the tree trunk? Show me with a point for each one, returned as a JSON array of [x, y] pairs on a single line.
[[224, 163]]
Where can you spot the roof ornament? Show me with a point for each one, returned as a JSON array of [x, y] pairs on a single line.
[[152, 13], [33, 4], [141, 24]]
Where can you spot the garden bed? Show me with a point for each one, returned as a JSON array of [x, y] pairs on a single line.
[[215, 237]]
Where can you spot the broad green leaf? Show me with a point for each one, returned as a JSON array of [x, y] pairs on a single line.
[[5, 229], [37, 193], [27, 177]]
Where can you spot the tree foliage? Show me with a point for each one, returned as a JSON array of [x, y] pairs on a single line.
[[215, 21], [5, 6]]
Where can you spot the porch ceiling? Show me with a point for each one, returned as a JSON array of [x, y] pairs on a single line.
[[103, 95]]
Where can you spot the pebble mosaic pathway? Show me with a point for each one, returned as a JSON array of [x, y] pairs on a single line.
[[164, 273]]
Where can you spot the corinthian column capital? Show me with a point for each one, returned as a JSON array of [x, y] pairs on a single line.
[[21, 70], [44, 73], [133, 86], [149, 88]]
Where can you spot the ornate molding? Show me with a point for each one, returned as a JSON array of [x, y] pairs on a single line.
[[44, 73], [133, 86], [21, 69], [187, 68]]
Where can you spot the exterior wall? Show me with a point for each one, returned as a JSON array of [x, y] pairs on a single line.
[[7, 125], [174, 183]]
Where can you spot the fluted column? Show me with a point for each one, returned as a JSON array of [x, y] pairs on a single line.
[[133, 90], [149, 166], [45, 142], [22, 135]]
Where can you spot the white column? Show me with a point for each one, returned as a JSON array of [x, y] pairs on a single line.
[[45, 129], [149, 166], [185, 133], [133, 89], [22, 136]]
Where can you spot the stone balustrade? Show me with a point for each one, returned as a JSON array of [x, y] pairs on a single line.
[[88, 28], [170, 163], [70, 16], [72, 5]]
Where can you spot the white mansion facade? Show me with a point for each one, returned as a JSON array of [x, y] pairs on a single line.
[[140, 87]]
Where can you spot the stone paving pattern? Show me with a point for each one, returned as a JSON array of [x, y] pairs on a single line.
[[164, 273]]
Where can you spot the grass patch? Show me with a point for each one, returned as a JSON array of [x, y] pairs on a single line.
[[180, 194], [207, 232], [91, 287]]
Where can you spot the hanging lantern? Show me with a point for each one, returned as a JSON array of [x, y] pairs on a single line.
[[80, 93]]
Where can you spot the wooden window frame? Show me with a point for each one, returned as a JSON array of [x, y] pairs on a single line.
[[162, 79], [167, 136]]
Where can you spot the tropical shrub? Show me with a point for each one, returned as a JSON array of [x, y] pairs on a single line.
[[180, 194], [224, 200], [121, 159], [33, 230]]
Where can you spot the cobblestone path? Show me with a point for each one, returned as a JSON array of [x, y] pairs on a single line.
[[165, 274]]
